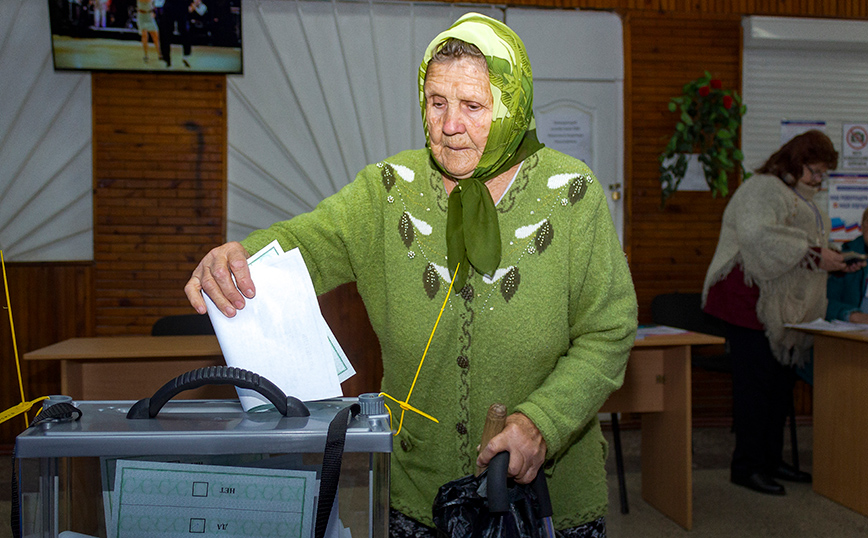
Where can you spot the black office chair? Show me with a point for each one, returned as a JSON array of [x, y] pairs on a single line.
[[184, 324], [684, 310]]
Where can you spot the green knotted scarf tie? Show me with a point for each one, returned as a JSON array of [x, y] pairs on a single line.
[[471, 209], [472, 230]]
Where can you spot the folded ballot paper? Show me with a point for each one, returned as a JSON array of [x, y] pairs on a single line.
[[280, 334]]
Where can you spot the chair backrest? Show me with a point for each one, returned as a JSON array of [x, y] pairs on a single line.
[[184, 324], [684, 310]]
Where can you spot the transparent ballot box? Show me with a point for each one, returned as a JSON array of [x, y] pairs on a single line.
[[201, 468]]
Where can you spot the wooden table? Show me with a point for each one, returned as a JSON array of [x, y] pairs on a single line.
[[657, 385], [840, 401], [131, 367]]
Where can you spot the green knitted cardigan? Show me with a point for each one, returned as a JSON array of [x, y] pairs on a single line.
[[547, 335]]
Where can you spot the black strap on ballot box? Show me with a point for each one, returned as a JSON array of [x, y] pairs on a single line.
[[331, 466]]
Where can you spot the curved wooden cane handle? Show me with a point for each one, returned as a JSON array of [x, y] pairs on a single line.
[[495, 420]]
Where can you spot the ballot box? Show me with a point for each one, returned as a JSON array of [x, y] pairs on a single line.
[[200, 468]]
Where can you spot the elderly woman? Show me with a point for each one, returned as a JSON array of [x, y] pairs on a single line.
[[544, 313], [769, 269]]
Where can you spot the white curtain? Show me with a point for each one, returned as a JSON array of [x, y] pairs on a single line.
[[45, 144]]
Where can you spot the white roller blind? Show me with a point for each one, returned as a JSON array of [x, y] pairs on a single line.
[[790, 73]]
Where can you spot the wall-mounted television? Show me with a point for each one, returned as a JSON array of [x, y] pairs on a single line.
[[202, 36]]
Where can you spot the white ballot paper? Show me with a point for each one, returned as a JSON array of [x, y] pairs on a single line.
[[280, 334], [835, 325], [176, 499], [342, 363]]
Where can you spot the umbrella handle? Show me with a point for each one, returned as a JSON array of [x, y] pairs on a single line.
[[495, 420]]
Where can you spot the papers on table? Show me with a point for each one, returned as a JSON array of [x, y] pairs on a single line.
[[820, 324], [280, 334], [651, 330]]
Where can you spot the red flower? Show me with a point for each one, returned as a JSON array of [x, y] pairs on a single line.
[[704, 90], [716, 84], [727, 102]]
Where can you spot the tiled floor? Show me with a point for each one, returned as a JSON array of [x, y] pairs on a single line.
[[721, 509]]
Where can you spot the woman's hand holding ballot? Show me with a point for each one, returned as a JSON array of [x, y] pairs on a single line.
[[222, 274]]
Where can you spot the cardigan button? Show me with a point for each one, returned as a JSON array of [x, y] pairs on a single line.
[[463, 361], [461, 428], [405, 445]]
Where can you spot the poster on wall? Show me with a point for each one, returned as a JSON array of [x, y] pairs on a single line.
[[567, 128], [854, 146], [848, 198], [793, 128]]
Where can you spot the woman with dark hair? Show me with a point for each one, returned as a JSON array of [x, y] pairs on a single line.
[[770, 269]]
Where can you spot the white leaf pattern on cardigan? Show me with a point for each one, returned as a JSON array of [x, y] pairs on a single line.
[[403, 172], [526, 231], [423, 227], [559, 180], [497, 275]]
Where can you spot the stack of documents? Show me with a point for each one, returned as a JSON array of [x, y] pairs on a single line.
[[835, 325], [280, 334]]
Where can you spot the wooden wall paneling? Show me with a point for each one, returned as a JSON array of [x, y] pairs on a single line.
[[671, 247], [159, 192], [856, 9], [50, 302]]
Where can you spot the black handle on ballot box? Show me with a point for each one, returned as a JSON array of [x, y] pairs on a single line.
[[288, 406]]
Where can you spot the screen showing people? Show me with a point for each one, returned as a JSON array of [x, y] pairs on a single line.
[[147, 35]]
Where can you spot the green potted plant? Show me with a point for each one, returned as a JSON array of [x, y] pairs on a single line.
[[708, 126]]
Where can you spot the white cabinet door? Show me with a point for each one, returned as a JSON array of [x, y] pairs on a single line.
[[578, 67]]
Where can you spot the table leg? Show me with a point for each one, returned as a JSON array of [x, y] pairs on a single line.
[[667, 474]]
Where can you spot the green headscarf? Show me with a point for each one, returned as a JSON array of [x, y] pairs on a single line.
[[472, 231]]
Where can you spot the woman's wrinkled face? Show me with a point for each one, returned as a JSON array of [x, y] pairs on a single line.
[[458, 104]]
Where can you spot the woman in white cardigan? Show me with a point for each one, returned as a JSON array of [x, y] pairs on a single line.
[[770, 268]]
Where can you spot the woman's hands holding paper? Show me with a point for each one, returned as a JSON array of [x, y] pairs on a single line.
[[222, 274]]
